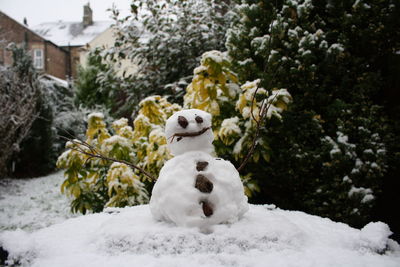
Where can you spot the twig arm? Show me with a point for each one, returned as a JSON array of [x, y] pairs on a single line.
[[95, 154], [189, 134]]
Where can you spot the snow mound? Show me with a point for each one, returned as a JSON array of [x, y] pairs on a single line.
[[375, 235], [265, 236]]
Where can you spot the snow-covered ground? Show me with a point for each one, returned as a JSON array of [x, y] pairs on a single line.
[[266, 236], [30, 204]]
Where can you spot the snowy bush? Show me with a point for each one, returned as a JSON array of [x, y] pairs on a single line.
[[336, 130], [214, 88], [32, 123], [97, 83], [97, 183], [235, 108], [165, 39], [38, 154], [329, 56], [57, 120], [19, 94]]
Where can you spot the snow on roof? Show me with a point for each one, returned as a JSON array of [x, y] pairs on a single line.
[[70, 33], [55, 79]]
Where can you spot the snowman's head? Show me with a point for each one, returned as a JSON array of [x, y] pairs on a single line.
[[189, 130]]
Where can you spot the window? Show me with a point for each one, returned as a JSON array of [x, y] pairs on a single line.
[[38, 58]]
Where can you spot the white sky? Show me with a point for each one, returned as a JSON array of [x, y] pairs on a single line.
[[38, 11]]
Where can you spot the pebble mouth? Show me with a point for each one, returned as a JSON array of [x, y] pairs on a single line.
[[190, 134]]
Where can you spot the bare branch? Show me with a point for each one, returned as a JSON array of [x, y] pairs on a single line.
[[252, 103], [252, 147], [254, 143]]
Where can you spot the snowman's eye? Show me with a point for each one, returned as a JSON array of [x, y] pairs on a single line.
[[182, 121], [199, 119]]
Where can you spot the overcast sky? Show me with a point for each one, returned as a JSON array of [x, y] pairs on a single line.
[[38, 11]]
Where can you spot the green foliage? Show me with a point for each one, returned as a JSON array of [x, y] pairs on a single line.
[[327, 153], [19, 94], [37, 156], [165, 39], [235, 110], [22, 61], [149, 138], [329, 55], [34, 154], [97, 83], [95, 183]]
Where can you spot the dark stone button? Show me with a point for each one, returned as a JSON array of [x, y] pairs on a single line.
[[207, 209], [182, 121], [199, 119], [203, 184], [201, 165]]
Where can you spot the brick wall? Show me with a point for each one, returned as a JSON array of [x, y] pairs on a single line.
[[74, 59], [56, 59]]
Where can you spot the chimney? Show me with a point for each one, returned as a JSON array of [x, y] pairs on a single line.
[[87, 15]]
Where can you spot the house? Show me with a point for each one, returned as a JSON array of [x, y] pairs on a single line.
[[47, 56], [106, 40], [56, 47], [73, 36]]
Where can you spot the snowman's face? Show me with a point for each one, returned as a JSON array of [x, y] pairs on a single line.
[[189, 130]]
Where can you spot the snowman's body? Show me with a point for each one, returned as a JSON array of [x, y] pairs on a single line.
[[195, 188]]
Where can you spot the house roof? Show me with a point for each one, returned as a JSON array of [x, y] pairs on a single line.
[[59, 81], [70, 33]]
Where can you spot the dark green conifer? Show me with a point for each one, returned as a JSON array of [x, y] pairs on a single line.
[[332, 150]]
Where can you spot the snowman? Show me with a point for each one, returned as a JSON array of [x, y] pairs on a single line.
[[195, 189]]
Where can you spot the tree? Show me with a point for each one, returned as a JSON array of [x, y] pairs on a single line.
[[37, 155], [18, 98], [35, 112], [166, 39], [97, 83], [331, 150]]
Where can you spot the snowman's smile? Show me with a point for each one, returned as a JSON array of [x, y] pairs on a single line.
[[188, 134]]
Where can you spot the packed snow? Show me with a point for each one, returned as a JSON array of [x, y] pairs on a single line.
[[194, 188], [176, 199], [265, 236], [178, 144]]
